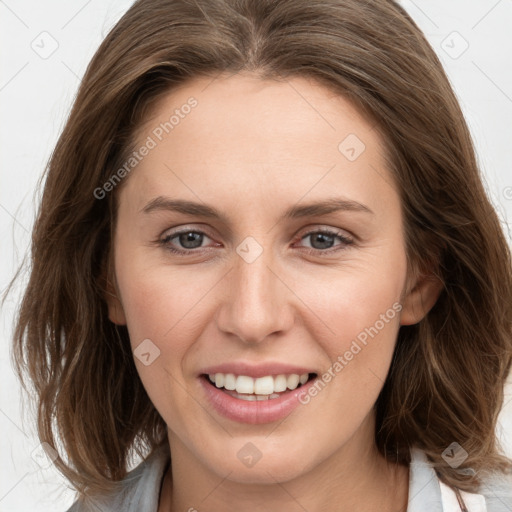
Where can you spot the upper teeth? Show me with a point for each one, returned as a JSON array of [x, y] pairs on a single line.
[[260, 386]]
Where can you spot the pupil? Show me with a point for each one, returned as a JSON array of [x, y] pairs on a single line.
[[189, 238], [325, 244]]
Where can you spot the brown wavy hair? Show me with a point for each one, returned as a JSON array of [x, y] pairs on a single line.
[[447, 375]]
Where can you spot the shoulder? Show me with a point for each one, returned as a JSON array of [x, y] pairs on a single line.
[[494, 495], [139, 491], [497, 491], [428, 492]]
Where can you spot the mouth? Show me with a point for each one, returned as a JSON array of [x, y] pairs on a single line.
[[245, 392], [269, 387]]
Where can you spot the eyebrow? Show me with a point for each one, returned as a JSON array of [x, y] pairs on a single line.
[[330, 205]]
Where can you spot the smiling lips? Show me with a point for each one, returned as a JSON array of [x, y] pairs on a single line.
[[263, 406], [247, 393]]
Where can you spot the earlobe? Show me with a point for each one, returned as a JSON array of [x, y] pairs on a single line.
[[420, 299], [115, 308]]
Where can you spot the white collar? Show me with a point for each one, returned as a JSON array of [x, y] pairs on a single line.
[[428, 493], [424, 488]]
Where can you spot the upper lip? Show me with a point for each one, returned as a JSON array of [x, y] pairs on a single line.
[[256, 370]]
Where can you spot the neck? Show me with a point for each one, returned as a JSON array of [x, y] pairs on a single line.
[[356, 477]]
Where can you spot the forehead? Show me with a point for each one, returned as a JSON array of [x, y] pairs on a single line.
[[295, 108], [239, 134]]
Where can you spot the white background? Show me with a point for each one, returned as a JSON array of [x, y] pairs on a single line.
[[36, 94]]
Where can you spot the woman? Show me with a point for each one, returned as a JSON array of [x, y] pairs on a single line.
[[265, 262]]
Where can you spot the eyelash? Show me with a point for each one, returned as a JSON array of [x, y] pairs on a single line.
[[164, 242]]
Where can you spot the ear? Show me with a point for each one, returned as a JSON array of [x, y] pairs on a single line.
[[420, 298], [111, 295]]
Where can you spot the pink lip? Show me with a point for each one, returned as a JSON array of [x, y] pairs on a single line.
[[254, 412], [255, 371]]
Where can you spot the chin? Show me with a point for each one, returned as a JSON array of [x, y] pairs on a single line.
[[258, 461], [264, 473]]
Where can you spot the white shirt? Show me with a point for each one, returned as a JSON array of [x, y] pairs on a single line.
[[140, 490]]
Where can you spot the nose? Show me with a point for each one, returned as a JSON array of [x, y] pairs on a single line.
[[257, 301]]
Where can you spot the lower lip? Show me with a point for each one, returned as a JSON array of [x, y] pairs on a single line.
[[257, 411]]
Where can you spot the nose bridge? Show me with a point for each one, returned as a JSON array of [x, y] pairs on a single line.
[[255, 306]]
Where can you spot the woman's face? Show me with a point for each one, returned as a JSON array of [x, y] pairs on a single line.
[[276, 283]]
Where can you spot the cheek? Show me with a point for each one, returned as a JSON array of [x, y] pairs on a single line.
[[362, 346], [356, 298], [360, 343], [360, 320], [161, 306], [160, 303]]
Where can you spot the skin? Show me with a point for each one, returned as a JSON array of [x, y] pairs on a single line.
[[253, 148]]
